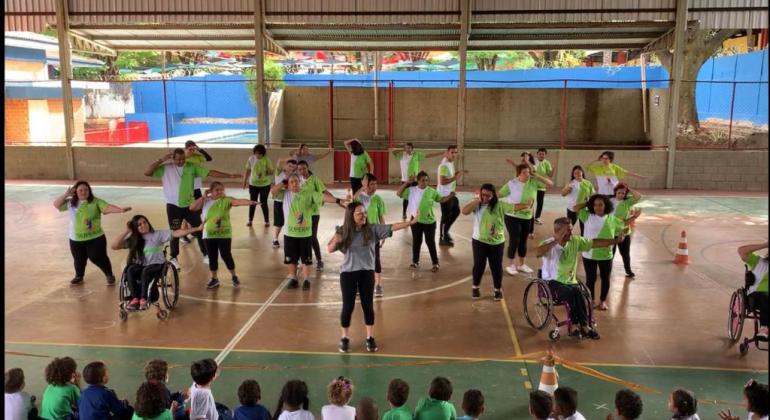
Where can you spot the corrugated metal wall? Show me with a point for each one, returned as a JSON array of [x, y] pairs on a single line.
[[730, 19], [556, 10], [372, 11]]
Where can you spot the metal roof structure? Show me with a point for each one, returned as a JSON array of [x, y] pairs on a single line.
[[376, 25]]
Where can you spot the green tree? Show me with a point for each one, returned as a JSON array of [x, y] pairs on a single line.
[[137, 59], [273, 79]]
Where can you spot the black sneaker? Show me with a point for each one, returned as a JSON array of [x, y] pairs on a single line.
[[498, 295], [306, 285], [475, 293], [276, 244], [236, 281], [77, 280], [414, 265], [371, 345], [249, 223], [444, 242], [344, 345], [592, 334], [435, 268], [630, 275], [212, 284], [293, 284], [319, 265], [110, 280]]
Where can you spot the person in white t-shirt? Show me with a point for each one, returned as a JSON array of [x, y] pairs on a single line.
[[18, 404], [447, 184], [294, 402], [683, 405], [756, 400], [565, 404], [202, 404], [340, 391]]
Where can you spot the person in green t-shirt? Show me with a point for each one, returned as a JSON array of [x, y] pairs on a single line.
[[607, 173], [375, 214], [577, 191], [421, 200], [559, 255], [437, 405], [87, 240], [218, 230], [398, 394], [298, 207], [543, 168], [283, 168], [61, 396], [259, 178], [599, 222], [310, 181], [196, 156], [409, 161], [150, 403], [488, 237], [623, 202], [757, 292], [360, 164]]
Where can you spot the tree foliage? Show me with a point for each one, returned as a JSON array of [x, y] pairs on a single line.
[[273, 74]]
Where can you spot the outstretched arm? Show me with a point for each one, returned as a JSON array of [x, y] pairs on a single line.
[[746, 250], [218, 174], [111, 209], [319, 157], [636, 194], [601, 243], [186, 229], [242, 202], [544, 180], [635, 175], [403, 225]]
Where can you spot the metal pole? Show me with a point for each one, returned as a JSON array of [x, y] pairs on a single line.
[[331, 113], [65, 71], [462, 98], [680, 33], [730, 129], [259, 27], [390, 115], [644, 93], [376, 96], [563, 112], [165, 112]]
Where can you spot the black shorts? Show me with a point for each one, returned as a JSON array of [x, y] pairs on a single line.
[[297, 250], [278, 213]]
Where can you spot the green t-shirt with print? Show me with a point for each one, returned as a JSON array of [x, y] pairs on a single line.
[[178, 184], [375, 207], [528, 192], [489, 225], [543, 169], [430, 409], [600, 227], [425, 207], [360, 165], [398, 413], [58, 401], [261, 171], [216, 213], [623, 208], [279, 177], [299, 222], [566, 266], [413, 167], [585, 191], [86, 219], [753, 261], [314, 184]]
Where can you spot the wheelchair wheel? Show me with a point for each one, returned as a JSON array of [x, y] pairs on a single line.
[[554, 335], [123, 315], [537, 304], [124, 289], [162, 314], [744, 348], [169, 286], [589, 304], [736, 316]]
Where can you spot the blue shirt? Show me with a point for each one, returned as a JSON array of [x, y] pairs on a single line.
[[251, 412], [98, 402]]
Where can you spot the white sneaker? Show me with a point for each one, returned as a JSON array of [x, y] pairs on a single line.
[[538, 222], [175, 263], [525, 269], [511, 269], [206, 259]]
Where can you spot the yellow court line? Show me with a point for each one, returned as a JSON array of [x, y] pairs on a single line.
[[408, 356], [511, 331]]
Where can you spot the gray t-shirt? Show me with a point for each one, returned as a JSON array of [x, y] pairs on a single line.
[[309, 158], [153, 246], [361, 257]]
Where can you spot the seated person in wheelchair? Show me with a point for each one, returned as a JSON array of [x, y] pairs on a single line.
[[560, 255], [756, 283], [145, 256]]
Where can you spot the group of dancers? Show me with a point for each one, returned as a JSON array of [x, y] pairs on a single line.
[[606, 216]]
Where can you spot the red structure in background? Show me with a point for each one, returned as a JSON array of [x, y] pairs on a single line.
[[379, 160], [133, 132]]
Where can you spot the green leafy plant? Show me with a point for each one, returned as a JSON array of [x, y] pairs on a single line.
[[273, 74]]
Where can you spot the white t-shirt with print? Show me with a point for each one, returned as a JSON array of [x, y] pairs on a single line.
[[202, 404], [576, 416], [335, 412], [445, 189], [415, 197], [296, 415]]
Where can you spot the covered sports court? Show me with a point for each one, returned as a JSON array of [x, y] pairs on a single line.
[[665, 329]]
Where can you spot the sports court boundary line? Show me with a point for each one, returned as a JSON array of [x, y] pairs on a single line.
[[408, 356]]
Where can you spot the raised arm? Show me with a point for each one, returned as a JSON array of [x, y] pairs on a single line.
[[276, 188], [218, 174], [402, 188], [347, 145], [64, 197], [112, 209], [205, 155], [444, 180], [546, 247], [117, 241], [470, 206], [198, 203], [746, 250], [544, 180], [319, 157], [566, 190], [154, 165], [333, 243], [636, 194]]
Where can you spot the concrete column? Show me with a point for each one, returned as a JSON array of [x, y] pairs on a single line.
[[65, 71], [259, 47], [680, 34], [462, 99]]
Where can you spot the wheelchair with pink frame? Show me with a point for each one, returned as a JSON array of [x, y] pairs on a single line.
[[540, 303]]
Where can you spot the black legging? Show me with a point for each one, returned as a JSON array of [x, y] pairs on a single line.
[[429, 230], [316, 246], [572, 296], [221, 246], [605, 270], [450, 211], [259, 194], [483, 252], [758, 301], [175, 216], [518, 231], [538, 210], [573, 218], [362, 282], [625, 253], [355, 184], [139, 278], [377, 262], [94, 250], [403, 209]]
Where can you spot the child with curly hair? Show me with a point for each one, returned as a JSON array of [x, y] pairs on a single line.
[[61, 396], [156, 372], [152, 403], [340, 392], [683, 405], [249, 394]]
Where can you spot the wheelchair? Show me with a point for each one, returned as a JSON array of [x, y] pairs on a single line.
[[164, 287], [739, 312], [540, 304]]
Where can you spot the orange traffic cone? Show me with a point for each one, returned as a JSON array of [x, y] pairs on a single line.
[[682, 257], [548, 382]]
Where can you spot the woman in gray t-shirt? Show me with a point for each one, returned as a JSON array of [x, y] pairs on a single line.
[[356, 239]]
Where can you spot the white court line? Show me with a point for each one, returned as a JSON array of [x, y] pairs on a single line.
[[237, 338]]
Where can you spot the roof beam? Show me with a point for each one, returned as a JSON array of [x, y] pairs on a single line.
[[666, 41]]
